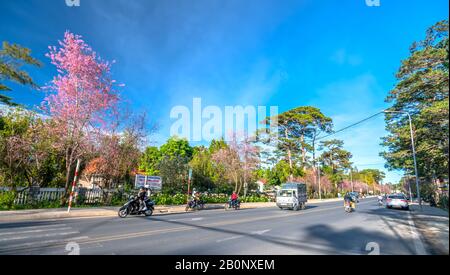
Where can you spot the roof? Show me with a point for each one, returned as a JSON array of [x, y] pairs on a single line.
[[263, 181]]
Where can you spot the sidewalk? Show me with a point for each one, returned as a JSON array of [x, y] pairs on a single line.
[[432, 224], [58, 213]]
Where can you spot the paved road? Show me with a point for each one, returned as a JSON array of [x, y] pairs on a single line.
[[322, 228]]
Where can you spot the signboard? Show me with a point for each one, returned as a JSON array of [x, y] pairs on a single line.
[[140, 181], [154, 182], [151, 182]]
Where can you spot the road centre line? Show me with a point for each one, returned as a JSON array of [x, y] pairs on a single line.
[[27, 245], [34, 231], [39, 236], [36, 226]]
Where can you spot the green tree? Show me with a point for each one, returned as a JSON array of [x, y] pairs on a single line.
[[334, 155], [335, 160], [12, 58], [176, 147], [297, 132], [203, 169], [422, 90], [173, 171], [26, 154], [370, 176], [149, 160], [173, 164]]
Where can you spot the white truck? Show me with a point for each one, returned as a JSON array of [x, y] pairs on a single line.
[[292, 195]]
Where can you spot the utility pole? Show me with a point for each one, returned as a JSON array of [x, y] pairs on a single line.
[[189, 184], [413, 152]]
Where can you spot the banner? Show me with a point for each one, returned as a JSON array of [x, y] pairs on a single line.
[[154, 182], [151, 182]]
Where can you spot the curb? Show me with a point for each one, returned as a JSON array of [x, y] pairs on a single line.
[[90, 213], [38, 214]]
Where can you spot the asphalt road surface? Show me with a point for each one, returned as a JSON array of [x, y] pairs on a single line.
[[322, 228]]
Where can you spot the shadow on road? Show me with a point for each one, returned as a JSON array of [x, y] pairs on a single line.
[[317, 239]]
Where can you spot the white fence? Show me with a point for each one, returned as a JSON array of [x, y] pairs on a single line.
[[84, 195]]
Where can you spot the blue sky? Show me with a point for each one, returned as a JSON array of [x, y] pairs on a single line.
[[338, 55]]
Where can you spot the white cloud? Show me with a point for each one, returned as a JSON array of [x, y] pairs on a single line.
[[342, 57]]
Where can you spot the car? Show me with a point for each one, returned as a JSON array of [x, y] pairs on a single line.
[[397, 201]]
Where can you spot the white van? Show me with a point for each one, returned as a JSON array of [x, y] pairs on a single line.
[[292, 196]]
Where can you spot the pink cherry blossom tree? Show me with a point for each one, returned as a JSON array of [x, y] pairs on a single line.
[[82, 98], [239, 160]]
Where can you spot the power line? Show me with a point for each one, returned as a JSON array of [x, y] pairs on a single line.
[[354, 124]]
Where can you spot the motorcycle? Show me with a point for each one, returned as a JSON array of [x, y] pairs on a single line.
[[132, 207], [349, 206], [236, 205], [380, 202], [195, 205]]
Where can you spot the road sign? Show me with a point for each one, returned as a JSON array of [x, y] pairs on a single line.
[[154, 182], [151, 182], [140, 180]]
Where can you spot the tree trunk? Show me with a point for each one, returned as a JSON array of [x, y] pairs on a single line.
[[302, 139], [68, 169], [289, 157], [240, 186]]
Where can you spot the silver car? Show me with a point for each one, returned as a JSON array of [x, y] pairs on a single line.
[[397, 201]]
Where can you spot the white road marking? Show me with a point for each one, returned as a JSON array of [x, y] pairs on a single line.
[[42, 243], [35, 227], [39, 236], [260, 232], [35, 231], [187, 219], [420, 248], [229, 239]]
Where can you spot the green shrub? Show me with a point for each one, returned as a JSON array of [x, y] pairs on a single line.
[[163, 199], [215, 198], [255, 198], [443, 202], [118, 199], [179, 199], [7, 200]]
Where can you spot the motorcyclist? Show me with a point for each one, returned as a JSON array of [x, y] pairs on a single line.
[[195, 197], [142, 196], [348, 198], [234, 198], [380, 198]]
